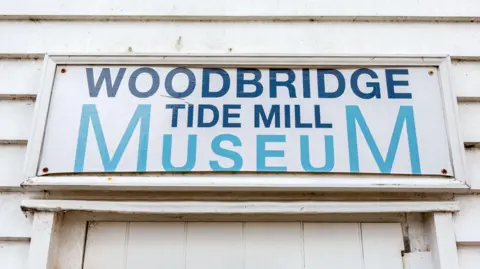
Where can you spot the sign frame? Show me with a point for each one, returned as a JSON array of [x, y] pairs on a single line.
[[247, 181]]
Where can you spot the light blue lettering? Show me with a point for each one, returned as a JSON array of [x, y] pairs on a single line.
[[405, 116], [90, 113], [230, 154]]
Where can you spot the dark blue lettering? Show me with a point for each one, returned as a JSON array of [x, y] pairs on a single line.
[[201, 116], [288, 83], [322, 93], [94, 88], [273, 115], [206, 82], [132, 82], [241, 82], [392, 83], [169, 82], [374, 85], [227, 115], [174, 108]]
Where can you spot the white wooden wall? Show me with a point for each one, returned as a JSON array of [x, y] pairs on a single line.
[[30, 28]]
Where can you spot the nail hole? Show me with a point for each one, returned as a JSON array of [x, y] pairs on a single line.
[[45, 169], [430, 73], [63, 70], [444, 171]]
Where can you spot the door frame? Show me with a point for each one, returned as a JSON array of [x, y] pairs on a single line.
[[65, 222]]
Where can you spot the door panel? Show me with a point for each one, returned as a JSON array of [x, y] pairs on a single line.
[[243, 245]]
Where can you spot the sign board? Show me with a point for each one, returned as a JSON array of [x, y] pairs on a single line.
[[177, 118]]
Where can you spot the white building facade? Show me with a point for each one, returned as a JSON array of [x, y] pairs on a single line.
[[68, 200]]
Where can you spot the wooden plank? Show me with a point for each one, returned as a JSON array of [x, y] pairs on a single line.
[[19, 78], [14, 255], [466, 80], [15, 119], [461, 8], [246, 182], [15, 224], [214, 245], [273, 245], [473, 169], [106, 245], [389, 237], [12, 160], [182, 207], [73, 232], [418, 260], [442, 241], [153, 245], [329, 244], [469, 257], [213, 37], [42, 252], [467, 220], [468, 115]]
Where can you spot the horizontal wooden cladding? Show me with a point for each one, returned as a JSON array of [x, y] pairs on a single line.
[[19, 79], [14, 254], [14, 224], [15, 119], [469, 257], [467, 220], [469, 117], [466, 80], [12, 159], [240, 37], [225, 8]]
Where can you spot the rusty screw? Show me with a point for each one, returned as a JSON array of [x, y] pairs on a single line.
[[45, 169], [444, 171], [430, 73], [63, 70]]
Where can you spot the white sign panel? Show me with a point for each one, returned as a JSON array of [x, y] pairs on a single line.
[[379, 120]]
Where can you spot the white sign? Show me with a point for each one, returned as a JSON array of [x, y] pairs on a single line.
[[387, 120]]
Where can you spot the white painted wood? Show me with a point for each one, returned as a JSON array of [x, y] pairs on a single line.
[[14, 255], [151, 244], [467, 220], [429, 8], [466, 79], [215, 245], [457, 149], [330, 244], [249, 59], [382, 245], [237, 207], [106, 245], [198, 245], [418, 260], [273, 245], [246, 182], [246, 37], [12, 159], [14, 223], [71, 245], [19, 78], [15, 119], [469, 123], [42, 250], [442, 240], [473, 169], [39, 117], [469, 257]]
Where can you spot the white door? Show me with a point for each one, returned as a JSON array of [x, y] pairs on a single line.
[[243, 245]]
